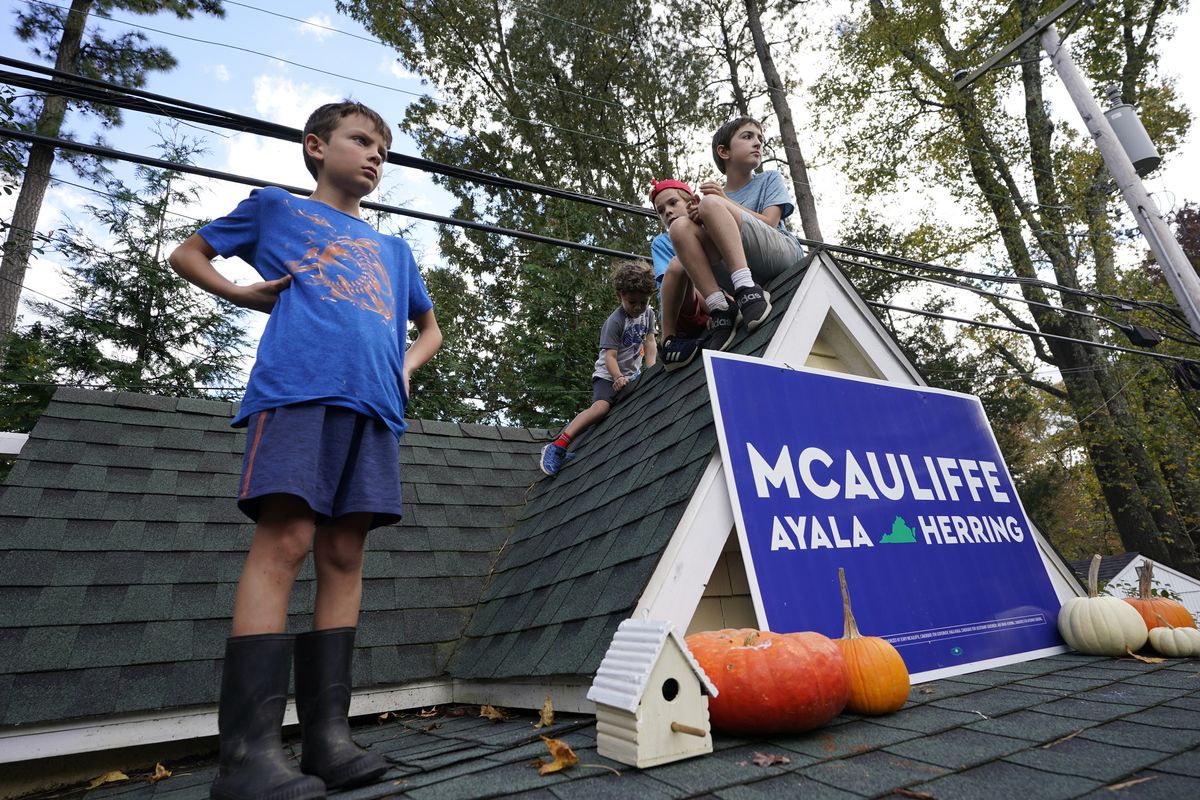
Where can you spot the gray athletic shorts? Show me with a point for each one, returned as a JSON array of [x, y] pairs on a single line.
[[769, 252]]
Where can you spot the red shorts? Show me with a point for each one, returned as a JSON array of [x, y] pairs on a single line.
[[692, 321]]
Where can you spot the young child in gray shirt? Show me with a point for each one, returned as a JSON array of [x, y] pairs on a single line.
[[626, 342]]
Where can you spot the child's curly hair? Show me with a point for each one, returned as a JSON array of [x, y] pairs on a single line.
[[633, 277]]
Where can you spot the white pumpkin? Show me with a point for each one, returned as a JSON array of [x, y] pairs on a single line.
[[1175, 642], [1100, 626]]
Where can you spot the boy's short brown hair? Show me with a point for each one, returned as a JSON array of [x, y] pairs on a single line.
[[724, 136], [634, 277], [325, 120]]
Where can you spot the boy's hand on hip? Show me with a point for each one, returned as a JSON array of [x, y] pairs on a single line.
[[261, 296], [620, 383]]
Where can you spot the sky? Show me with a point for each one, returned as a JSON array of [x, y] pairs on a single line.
[[278, 60]]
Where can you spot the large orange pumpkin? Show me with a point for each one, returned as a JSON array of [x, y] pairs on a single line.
[[878, 676], [1155, 610], [771, 682]]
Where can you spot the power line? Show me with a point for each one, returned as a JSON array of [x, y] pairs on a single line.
[[75, 86], [982, 276], [301, 65], [105, 152], [1031, 334], [986, 293]]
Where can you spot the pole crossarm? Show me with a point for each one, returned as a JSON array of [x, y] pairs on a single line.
[[1016, 44]]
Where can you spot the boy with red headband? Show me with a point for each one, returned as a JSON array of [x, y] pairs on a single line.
[[684, 314]]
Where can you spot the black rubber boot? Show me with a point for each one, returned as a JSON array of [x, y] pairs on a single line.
[[323, 660], [253, 698]]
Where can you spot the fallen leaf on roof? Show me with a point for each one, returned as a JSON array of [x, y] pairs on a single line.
[[426, 713], [1062, 739], [160, 773], [1116, 787], [769, 759], [109, 777], [914, 794], [1145, 659], [562, 754], [457, 712], [546, 715], [432, 726], [493, 713], [385, 716], [927, 690]]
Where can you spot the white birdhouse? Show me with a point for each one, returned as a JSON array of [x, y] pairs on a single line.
[[651, 697]]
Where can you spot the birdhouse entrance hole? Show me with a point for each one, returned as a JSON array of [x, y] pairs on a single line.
[[670, 689]]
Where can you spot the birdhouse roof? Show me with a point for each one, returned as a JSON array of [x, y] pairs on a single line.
[[625, 671]]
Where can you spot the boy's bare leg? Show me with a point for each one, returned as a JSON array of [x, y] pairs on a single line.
[[587, 418], [282, 539], [696, 253], [723, 226], [338, 555], [675, 287]]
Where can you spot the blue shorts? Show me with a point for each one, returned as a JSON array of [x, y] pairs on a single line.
[[602, 389], [336, 460]]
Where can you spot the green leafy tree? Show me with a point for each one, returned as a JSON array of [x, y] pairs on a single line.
[[1037, 196], [130, 323], [60, 35], [594, 97]]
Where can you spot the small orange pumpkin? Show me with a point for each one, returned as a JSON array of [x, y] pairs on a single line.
[[771, 682], [878, 676], [1157, 611]]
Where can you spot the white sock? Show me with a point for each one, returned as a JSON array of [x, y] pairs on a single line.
[[742, 279], [717, 302]]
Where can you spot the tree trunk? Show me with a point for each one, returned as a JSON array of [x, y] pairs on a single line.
[[729, 54], [805, 203], [34, 182]]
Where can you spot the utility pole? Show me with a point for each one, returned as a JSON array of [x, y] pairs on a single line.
[[1178, 271]]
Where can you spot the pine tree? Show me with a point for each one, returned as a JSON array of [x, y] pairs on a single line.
[[130, 323], [61, 34]]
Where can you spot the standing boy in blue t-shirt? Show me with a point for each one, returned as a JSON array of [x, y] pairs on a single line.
[[324, 408], [733, 238]]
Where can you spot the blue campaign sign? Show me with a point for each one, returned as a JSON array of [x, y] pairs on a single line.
[[902, 486]]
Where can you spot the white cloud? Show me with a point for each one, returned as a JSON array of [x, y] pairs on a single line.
[[218, 71], [287, 102], [318, 26], [392, 66]]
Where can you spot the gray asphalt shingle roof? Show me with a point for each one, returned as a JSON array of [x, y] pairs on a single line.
[[588, 540], [121, 548], [1069, 726]]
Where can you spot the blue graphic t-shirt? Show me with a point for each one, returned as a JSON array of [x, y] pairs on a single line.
[[337, 334], [764, 190]]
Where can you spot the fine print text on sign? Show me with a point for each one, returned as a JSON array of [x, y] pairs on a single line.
[[906, 489]]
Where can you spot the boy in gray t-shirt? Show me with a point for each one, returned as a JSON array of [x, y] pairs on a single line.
[[626, 339]]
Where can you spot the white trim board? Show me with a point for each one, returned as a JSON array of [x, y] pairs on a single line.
[[1186, 586], [33, 742], [11, 443]]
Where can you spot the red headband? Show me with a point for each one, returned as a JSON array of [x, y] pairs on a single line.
[[670, 183]]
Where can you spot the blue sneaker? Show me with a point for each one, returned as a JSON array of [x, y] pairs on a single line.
[[676, 352], [553, 458]]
